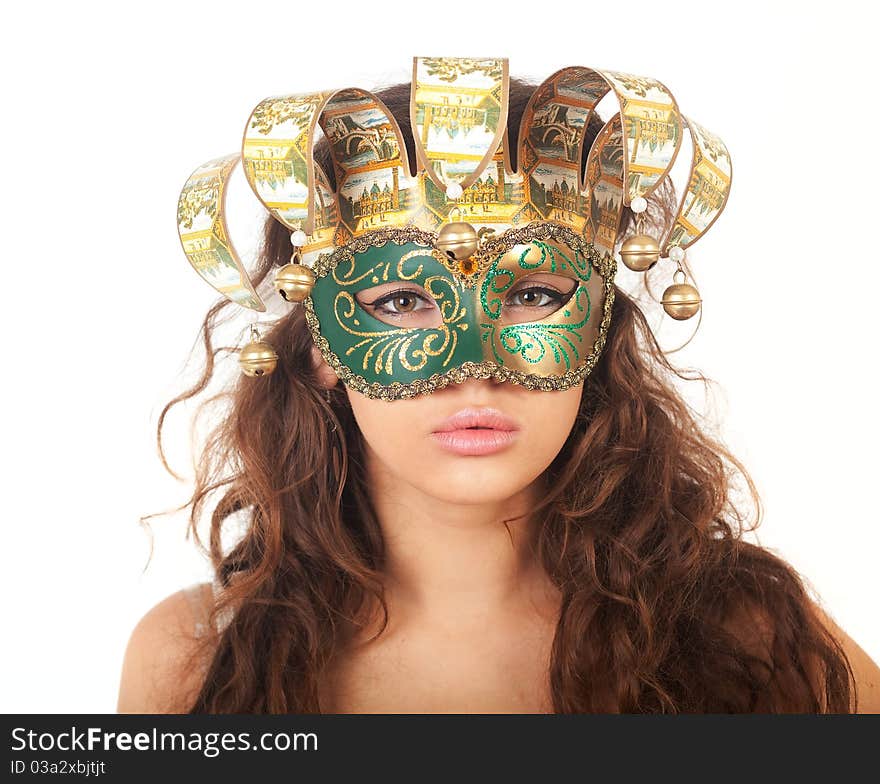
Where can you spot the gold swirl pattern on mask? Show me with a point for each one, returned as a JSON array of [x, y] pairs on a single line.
[[604, 263], [396, 342], [378, 273], [381, 346]]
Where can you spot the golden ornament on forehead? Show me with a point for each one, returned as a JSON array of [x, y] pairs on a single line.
[[681, 300], [468, 266], [257, 358], [458, 239], [641, 251], [294, 281]]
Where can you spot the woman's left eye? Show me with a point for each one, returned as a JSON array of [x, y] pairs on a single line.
[[534, 297]]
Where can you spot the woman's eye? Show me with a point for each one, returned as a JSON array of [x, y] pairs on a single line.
[[403, 303], [399, 303], [536, 297]]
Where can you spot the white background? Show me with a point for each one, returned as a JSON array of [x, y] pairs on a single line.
[[108, 108]]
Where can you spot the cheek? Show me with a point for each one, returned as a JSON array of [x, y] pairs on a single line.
[[395, 432], [556, 411], [548, 418]]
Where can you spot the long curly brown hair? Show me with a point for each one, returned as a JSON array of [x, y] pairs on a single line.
[[640, 533]]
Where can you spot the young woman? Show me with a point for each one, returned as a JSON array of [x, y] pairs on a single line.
[[581, 553]]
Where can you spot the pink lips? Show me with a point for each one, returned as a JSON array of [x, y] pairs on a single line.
[[476, 431]]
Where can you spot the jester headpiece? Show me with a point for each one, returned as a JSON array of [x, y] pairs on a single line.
[[464, 237]]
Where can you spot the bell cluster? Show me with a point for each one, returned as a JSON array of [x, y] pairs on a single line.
[[641, 252]]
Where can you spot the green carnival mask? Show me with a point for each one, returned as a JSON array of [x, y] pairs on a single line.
[[472, 323], [547, 202]]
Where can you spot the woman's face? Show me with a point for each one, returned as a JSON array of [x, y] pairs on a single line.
[[399, 434]]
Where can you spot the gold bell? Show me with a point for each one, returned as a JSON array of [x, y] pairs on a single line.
[[257, 358], [681, 300], [640, 252], [458, 239], [294, 281]]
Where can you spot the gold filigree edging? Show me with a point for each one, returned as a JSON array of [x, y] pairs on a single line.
[[605, 265]]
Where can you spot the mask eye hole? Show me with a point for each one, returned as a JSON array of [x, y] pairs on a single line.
[[405, 304], [537, 296]]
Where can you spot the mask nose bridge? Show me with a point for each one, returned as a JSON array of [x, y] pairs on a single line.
[[471, 336], [482, 301]]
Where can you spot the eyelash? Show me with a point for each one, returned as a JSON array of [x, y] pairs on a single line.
[[379, 303]]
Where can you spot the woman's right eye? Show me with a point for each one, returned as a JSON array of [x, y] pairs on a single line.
[[400, 303]]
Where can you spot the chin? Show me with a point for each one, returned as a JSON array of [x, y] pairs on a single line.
[[474, 486]]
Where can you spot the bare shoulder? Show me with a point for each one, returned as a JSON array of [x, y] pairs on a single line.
[[166, 659], [865, 669], [754, 628]]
